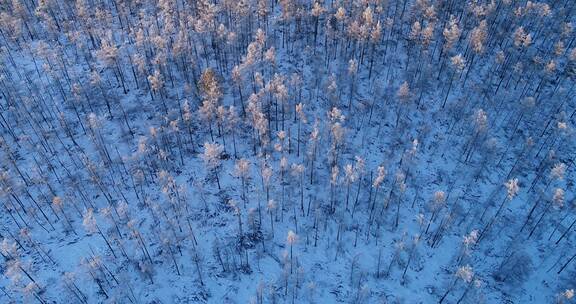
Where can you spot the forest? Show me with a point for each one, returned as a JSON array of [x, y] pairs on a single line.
[[287, 151]]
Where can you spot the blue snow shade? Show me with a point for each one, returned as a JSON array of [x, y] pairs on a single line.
[[287, 151]]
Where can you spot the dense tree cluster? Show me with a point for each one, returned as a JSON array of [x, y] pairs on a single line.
[[271, 151]]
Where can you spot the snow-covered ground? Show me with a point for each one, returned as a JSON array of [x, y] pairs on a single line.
[[287, 151]]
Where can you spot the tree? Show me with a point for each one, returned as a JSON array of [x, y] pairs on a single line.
[[464, 273], [404, 97], [458, 63], [212, 161], [436, 206], [89, 222], [298, 173], [242, 170], [59, 206], [290, 240], [271, 207], [350, 177], [157, 85], [512, 189], [212, 93]]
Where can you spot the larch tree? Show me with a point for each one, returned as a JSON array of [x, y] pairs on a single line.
[[212, 159], [212, 93], [242, 170]]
